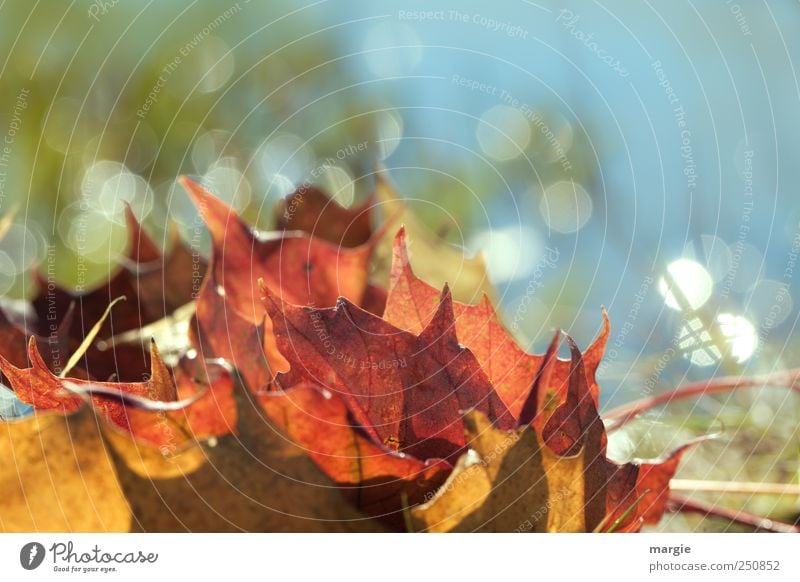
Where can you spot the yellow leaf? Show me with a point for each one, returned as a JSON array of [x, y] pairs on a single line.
[[509, 481], [56, 476]]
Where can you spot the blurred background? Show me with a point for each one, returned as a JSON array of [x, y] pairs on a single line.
[[637, 156]]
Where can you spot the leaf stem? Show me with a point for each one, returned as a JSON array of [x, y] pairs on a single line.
[[684, 505], [621, 415]]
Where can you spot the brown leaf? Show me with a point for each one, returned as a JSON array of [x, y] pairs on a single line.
[[142, 249], [402, 388], [222, 331], [154, 285], [64, 478], [412, 302], [169, 430], [310, 210], [584, 490], [652, 486], [638, 492], [256, 480], [508, 482], [575, 428], [213, 413], [40, 388], [374, 300], [376, 479], [299, 268], [15, 333], [56, 477]]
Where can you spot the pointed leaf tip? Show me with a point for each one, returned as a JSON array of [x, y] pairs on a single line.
[[444, 320], [268, 297], [446, 294], [34, 355], [400, 258], [262, 287], [573, 348], [205, 201]]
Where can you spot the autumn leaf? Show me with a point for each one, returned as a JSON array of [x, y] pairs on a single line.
[[643, 486], [15, 333], [310, 210], [346, 350], [207, 386], [355, 408], [298, 267], [71, 473], [376, 479], [155, 285], [404, 389], [142, 250], [554, 480], [566, 460], [255, 480], [220, 330], [435, 260], [56, 476], [508, 482], [575, 428], [411, 303], [511, 481], [43, 390]]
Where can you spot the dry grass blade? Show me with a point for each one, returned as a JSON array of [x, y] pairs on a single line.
[[87, 341]]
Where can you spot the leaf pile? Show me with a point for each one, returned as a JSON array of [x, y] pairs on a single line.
[[309, 381]]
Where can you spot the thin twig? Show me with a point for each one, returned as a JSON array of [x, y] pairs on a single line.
[[684, 505], [747, 488], [623, 414]]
